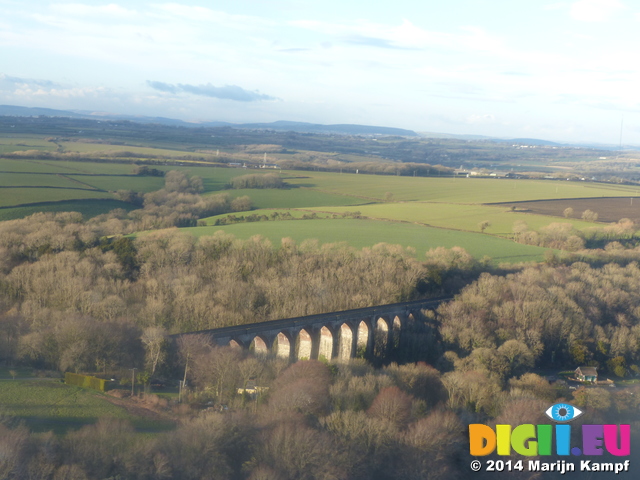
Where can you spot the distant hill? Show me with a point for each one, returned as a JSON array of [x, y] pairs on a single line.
[[302, 127], [545, 143], [454, 136], [344, 129], [14, 111], [533, 141]]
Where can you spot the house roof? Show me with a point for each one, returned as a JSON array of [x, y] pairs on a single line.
[[588, 371]]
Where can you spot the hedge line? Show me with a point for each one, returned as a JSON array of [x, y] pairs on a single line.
[[84, 381]]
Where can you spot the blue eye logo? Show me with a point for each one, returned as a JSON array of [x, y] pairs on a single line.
[[563, 412]]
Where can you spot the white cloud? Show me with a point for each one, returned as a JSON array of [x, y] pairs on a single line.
[[595, 10], [29, 93], [555, 6], [31, 88], [481, 119], [406, 35], [203, 14], [82, 10]]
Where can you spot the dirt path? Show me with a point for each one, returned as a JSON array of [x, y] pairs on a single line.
[[140, 409]]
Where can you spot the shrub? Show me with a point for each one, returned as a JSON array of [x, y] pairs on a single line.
[[84, 381]]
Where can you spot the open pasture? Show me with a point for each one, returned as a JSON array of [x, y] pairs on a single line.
[[214, 178], [97, 148], [89, 168], [45, 405], [366, 233], [23, 196], [25, 165], [451, 215], [20, 143], [295, 213], [121, 182], [87, 207], [54, 166], [293, 197], [13, 180], [455, 190], [459, 204]]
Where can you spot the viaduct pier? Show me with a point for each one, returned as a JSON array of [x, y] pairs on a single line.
[[365, 332]]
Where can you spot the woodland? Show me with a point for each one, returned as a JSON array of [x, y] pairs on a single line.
[[102, 295]]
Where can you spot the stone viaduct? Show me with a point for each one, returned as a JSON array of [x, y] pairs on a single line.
[[366, 332]]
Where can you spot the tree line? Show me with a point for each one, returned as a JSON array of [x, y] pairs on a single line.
[[77, 295], [315, 421]]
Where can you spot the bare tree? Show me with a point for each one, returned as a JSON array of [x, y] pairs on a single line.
[[218, 370], [250, 368], [429, 447], [189, 346], [299, 452], [241, 204], [392, 404], [589, 216], [154, 341]]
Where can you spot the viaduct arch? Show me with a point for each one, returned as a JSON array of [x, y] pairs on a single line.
[[365, 332]]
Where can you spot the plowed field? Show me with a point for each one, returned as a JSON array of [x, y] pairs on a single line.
[[608, 209]]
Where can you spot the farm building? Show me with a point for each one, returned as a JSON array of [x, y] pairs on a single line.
[[587, 374]]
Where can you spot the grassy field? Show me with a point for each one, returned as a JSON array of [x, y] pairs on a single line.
[[457, 204], [366, 233], [64, 167], [295, 213], [35, 179], [21, 196], [294, 197], [38, 166], [87, 207], [81, 147], [456, 190], [123, 182], [321, 188], [460, 217], [19, 143], [46, 404]]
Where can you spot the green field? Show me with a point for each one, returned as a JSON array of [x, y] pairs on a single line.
[[455, 205], [456, 190], [294, 197], [92, 168], [45, 404], [460, 217], [21, 143], [33, 166], [213, 178], [9, 165], [82, 147], [366, 233], [87, 207], [122, 182], [35, 179], [295, 213], [22, 196]]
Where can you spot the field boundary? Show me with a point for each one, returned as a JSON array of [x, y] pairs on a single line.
[[55, 202], [77, 174], [396, 220], [93, 189], [82, 183], [558, 199]]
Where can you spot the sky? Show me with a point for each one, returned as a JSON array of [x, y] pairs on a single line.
[[561, 71]]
